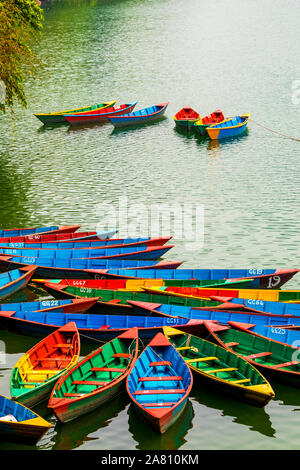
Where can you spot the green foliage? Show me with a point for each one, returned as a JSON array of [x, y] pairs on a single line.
[[20, 25]]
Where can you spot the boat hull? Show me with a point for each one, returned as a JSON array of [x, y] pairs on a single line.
[[55, 118], [163, 424], [81, 119], [70, 411], [126, 121]]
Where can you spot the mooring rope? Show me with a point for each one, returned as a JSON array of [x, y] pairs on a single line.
[[275, 132]]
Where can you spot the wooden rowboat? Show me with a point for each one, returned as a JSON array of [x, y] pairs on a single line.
[[140, 252], [58, 117], [88, 242], [142, 116], [185, 119], [96, 379], [53, 268], [282, 328], [264, 278], [279, 308], [74, 305], [13, 281], [30, 233], [37, 371], [91, 327], [19, 424], [103, 115], [201, 124], [22, 241], [228, 128], [222, 369], [159, 384], [274, 359]]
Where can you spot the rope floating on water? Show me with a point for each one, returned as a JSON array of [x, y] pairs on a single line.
[[275, 132]]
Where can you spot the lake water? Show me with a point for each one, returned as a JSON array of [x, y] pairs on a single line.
[[243, 194]]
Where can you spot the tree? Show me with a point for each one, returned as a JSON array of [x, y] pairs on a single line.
[[20, 26]]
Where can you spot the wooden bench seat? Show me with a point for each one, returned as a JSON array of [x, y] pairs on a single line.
[[202, 359], [233, 343], [254, 356], [64, 345], [124, 355], [226, 369], [158, 379], [107, 369], [285, 364], [89, 382], [160, 392], [159, 405], [240, 381], [160, 363]]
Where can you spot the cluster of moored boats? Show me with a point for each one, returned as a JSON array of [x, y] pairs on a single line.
[[215, 125], [158, 329]]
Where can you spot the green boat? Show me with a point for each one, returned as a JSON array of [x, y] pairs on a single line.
[[201, 124], [58, 117], [96, 379], [224, 370], [116, 301], [277, 361]]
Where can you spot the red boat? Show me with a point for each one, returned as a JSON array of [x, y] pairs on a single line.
[[21, 240], [100, 115], [32, 233], [214, 118], [185, 118]]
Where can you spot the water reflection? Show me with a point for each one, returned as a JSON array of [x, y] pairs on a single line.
[[75, 433], [256, 419], [174, 438]]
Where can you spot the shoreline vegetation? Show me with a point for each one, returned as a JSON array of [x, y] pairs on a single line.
[[21, 23]]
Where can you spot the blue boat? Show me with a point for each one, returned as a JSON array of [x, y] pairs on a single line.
[[92, 326], [23, 232], [272, 326], [160, 383], [262, 278], [228, 128], [266, 306], [86, 243], [56, 268], [143, 116], [62, 306], [137, 252], [15, 280], [20, 424]]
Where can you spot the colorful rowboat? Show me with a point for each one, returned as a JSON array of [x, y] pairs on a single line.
[[288, 295], [31, 233], [49, 268], [96, 379], [19, 424], [103, 115], [269, 325], [143, 116], [91, 327], [279, 308], [159, 384], [274, 359], [222, 369], [139, 252], [228, 128], [200, 126], [13, 281], [75, 305], [263, 278], [21, 241], [89, 243], [58, 117], [185, 119], [37, 371], [114, 295]]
